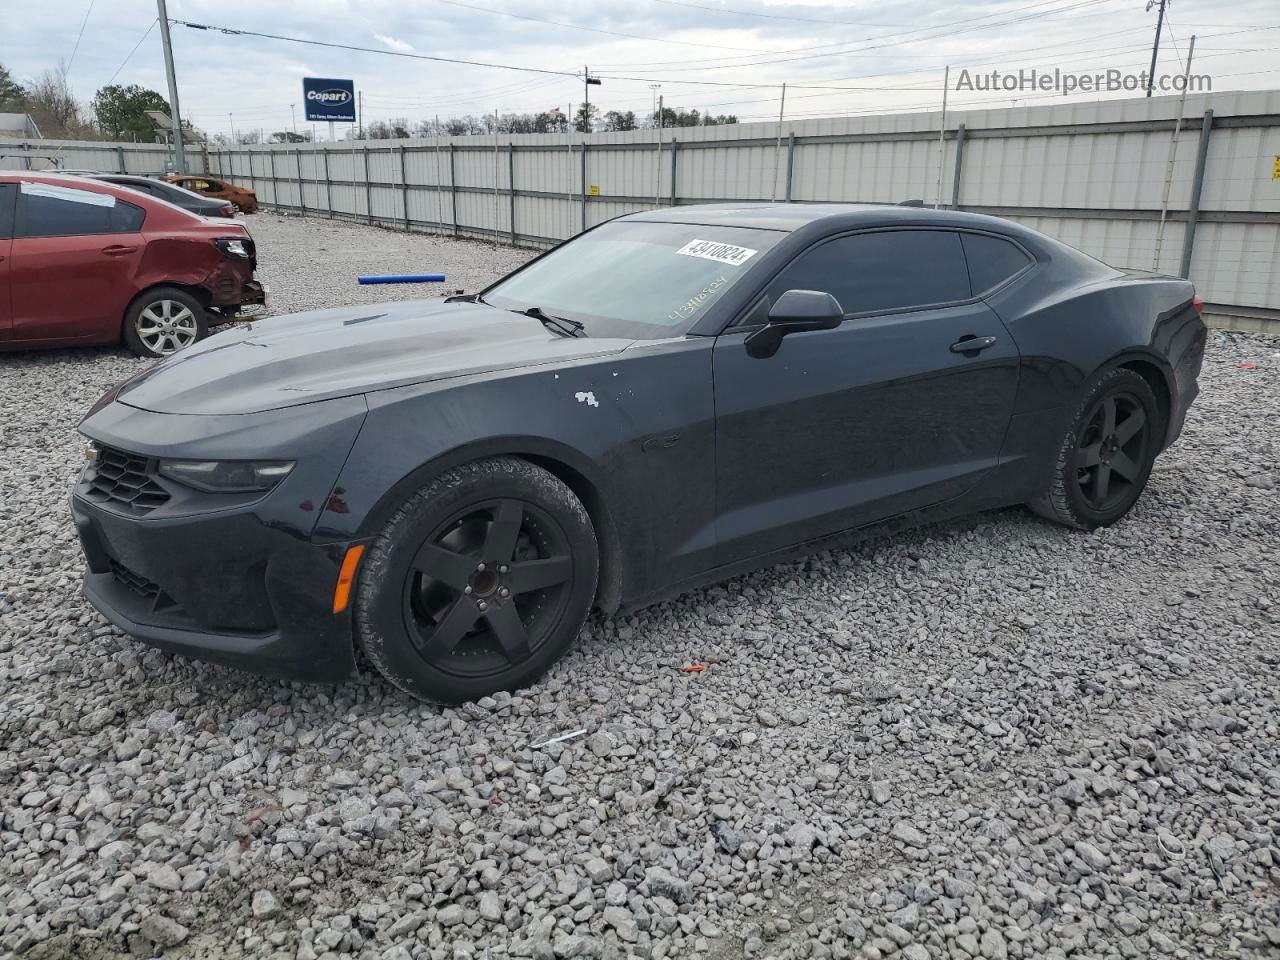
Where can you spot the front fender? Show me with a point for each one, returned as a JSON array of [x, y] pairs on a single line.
[[592, 419]]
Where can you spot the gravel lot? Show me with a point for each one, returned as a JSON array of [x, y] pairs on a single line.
[[985, 739]]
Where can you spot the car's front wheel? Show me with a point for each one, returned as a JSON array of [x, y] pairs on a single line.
[[478, 582], [1105, 458], [163, 321]]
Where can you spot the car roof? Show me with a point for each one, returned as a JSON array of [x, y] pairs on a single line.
[[793, 216]]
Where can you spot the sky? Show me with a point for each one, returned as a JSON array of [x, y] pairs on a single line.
[[837, 58]]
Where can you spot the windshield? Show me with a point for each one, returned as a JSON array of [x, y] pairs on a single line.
[[636, 279]]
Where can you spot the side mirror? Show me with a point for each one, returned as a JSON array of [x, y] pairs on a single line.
[[795, 311]]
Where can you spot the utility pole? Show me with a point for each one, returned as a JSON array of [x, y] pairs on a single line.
[[232, 118], [1155, 47], [657, 184], [942, 136], [179, 149], [360, 113], [777, 147], [293, 110], [1173, 150], [588, 81]]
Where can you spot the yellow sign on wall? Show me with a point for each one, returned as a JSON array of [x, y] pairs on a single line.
[[595, 188], [1275, 168]]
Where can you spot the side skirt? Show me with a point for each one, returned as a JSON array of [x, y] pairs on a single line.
[[970, 504]]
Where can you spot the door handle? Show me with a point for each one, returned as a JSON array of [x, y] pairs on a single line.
[[118, 250], [971, 346]]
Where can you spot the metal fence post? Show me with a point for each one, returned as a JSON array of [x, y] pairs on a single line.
[[368, 188], [453, 193], [275, 183], [328, 184], [119, 158], [791, 164], [584, 184], [302, 200], [673, 171], [1197, 184], [955, 179], [404, 189], [511, 182], [253, 182]]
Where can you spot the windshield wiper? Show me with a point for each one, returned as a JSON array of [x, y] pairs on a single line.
[[563, 325]]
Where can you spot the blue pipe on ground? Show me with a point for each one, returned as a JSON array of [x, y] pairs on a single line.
[[405, 278]]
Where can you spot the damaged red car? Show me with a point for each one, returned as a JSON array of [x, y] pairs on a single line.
[[85, 262]]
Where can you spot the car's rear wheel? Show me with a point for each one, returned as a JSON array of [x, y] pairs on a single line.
[[163, 321], [1105, 458], [478, 582]]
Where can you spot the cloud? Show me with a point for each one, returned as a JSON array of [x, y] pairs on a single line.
[[397, 45]]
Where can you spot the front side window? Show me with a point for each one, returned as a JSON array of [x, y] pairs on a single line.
[[50, 210], [637, 279], [881, 271]]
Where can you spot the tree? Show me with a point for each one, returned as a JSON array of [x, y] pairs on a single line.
[[55, 109], [11, 93], [121, 111], [584, 123], [689, 118], [615, 121], [288, 136]]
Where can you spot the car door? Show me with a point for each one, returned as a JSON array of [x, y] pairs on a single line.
[[74, 261], [7, 192], [883, 414]]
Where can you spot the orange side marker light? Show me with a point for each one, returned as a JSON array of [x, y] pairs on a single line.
[[346, 577]]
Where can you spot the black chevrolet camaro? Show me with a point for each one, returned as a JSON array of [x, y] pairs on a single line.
[[666, 400]]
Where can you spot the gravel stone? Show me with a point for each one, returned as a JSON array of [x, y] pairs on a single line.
[[163, 931], [986, 738]]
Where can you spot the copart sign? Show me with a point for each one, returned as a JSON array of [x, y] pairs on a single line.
[[329, 99]]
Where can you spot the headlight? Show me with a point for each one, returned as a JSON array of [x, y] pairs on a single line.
[[233, 247], [227, 476]]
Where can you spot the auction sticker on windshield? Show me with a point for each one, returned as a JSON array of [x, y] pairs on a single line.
[[720, 252]]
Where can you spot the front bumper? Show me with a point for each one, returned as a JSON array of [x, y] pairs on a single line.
[[222, 588], [233, 578]]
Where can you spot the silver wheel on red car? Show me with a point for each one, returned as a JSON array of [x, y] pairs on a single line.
[[163, 321]]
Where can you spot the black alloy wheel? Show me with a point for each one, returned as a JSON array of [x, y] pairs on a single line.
[[1111, 449], [478, 583], [487, 588], [1106, 457]]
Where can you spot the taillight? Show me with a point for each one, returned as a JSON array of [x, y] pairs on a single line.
[[1197, 304], [228, 210]]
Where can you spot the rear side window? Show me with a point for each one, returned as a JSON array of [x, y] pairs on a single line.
[[992, 261], [46, 210], [881, 271], [7, 192]]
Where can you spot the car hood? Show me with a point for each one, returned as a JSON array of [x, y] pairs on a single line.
[[304, 357]]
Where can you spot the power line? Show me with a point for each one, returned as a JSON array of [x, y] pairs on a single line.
[[893, 40], [776, 16], [897, 37], [134, 50], [229, 31], [610, 33], [79, 35]]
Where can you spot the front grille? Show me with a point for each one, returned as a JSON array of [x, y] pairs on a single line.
[[126, 480]]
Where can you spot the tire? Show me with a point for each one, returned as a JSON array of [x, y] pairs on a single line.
[[478, 582], [1105, 458], [163, 321]]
